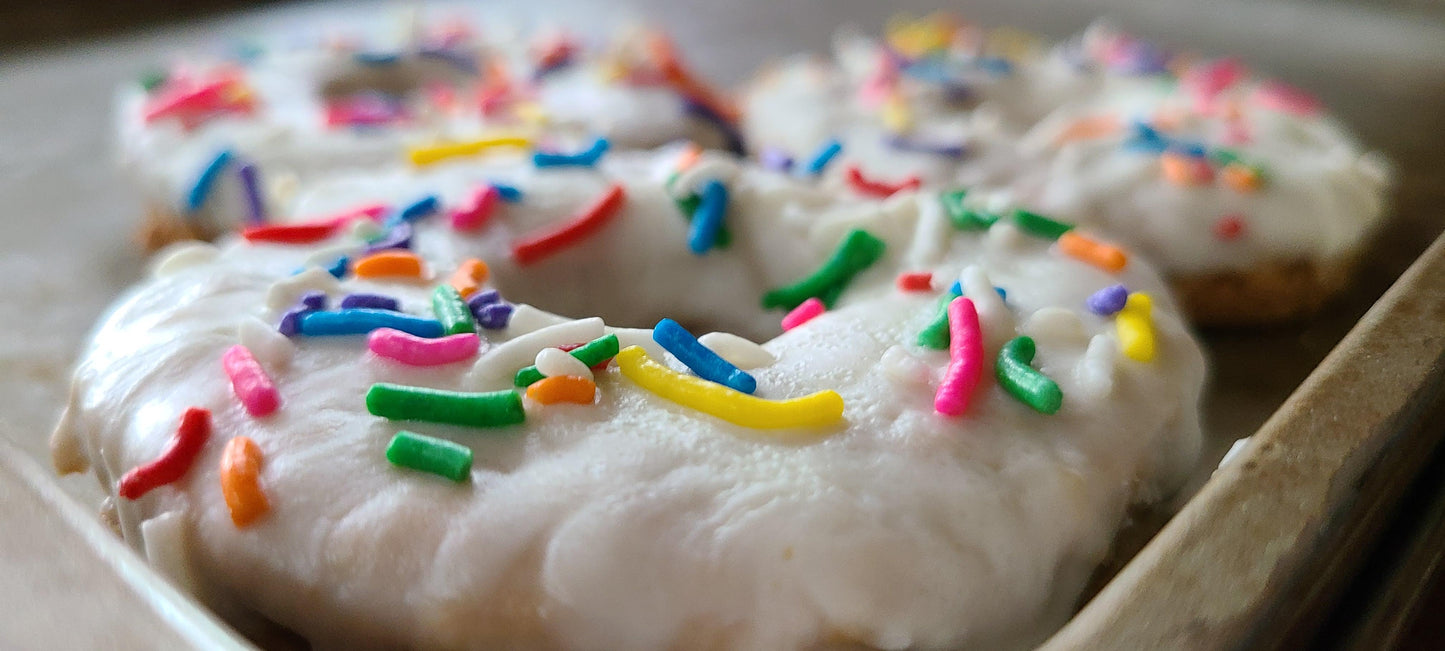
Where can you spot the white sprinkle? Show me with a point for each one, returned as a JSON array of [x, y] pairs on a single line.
[[692, 180], [1003, 236], [526, 318], [905, 368], [164, 540], [553, 362], [271, 348], [738, 351], [496, 369], [1094, 372], [182, 256], [993, 314], [1056, 324], [640, 337], [327, 255], [284, 293], [365, 229]]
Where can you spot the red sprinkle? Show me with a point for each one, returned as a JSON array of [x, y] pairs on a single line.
[[174, 461], [532, 248], [915, 281], [311, 231], [878, 188], [1229, 227], [598, 367]]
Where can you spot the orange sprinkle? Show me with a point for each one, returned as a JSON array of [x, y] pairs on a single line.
[[241, 481], [563, 388], [664, 54], [1104, 256], [689, 156], [469, 276], [1168, 119], [388, 263], [1184, 170], [1241, 178], [1088, 129]]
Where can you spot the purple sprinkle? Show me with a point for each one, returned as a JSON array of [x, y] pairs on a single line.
[[399, 237], [369, 302], [1108, 300], [291, 320], [907, 144], [313, 300], [482, 299], [732, 138], [255, 206], [775, 159], [494, 316]]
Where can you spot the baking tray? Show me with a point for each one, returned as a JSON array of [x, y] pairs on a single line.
[[1258, 557]]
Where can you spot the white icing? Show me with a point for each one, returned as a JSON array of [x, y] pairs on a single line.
[[182, 255], [638, 523], [166, 547]]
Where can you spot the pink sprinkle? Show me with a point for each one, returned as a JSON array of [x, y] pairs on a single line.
[[250, 382], [371, 211], [476, 214], [803, 313], [407, 349], [965, 365], [916, 281], [1286, 98], [1208, 80]]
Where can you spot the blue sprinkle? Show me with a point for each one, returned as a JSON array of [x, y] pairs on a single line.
[[586, 158], [708, 217], [507, 193], [339, 268], [482, 299], [903, 143], [701, 359], [369, 302], [1001, 293], [377, 58], [255, 205], [494, 316], [362, 321], [399, 237], [1190, 149], [1146, 139], [207, 181], [458, 60], [423, 207], [1108, 300], [996, 66], [823, 156], [775, 159]]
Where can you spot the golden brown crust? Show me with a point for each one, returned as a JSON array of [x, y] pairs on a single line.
[[1266, 295], [161, 228]]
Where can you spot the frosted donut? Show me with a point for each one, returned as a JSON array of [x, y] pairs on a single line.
[[1252, 198], [937, 99], [667, 511], [221, 143]]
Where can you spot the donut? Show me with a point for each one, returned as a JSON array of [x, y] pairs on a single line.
[[430, 460], [937, 101], [213, 144], [1252, 199]]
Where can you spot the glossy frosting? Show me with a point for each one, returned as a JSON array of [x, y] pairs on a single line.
[[635, 522]]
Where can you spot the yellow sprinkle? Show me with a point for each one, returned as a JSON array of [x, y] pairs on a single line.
[[915, 38], [531, 113], [422, 156], [814, 410], [1136, 327], [1012, 44], [896, 116]]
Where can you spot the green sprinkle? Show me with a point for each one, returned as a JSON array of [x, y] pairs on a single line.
[[592, 353], [1040, 225], [433, 455], [396, 402], [152, 79], [935, 334], [452, 311], [1024, 382], [859, 250], [1222, 157], [963, 218]]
